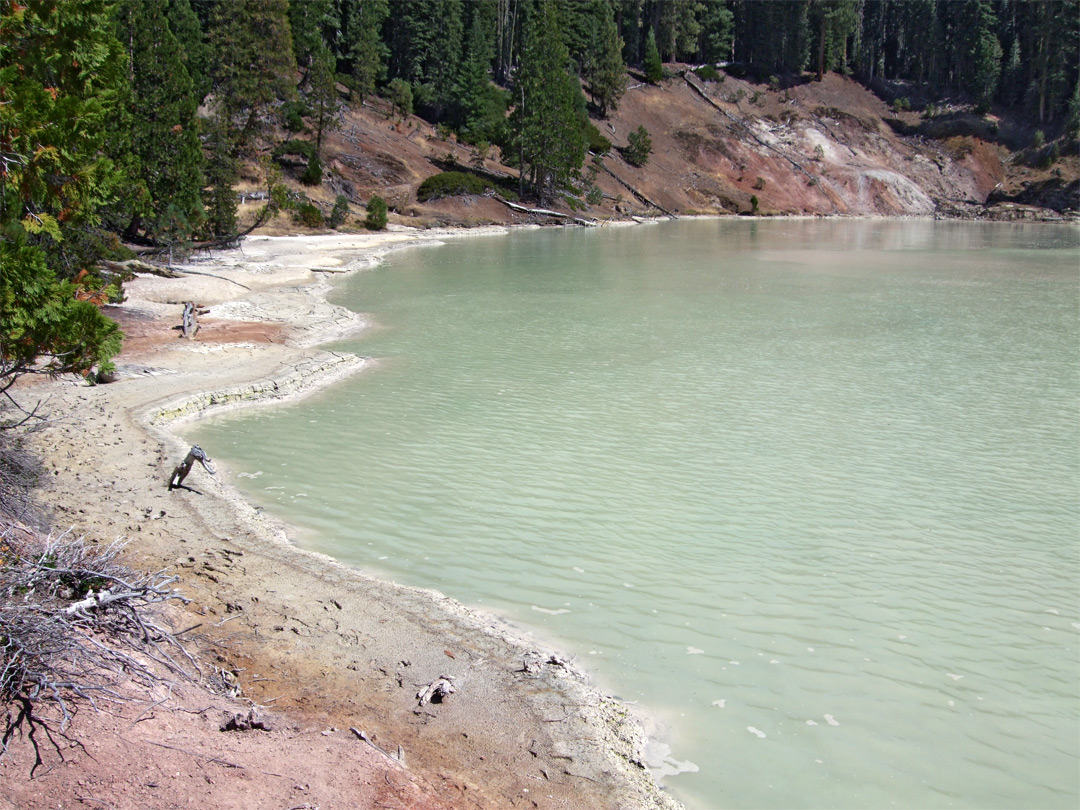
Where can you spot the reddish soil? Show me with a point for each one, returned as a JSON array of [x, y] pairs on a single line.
[[818, 148]]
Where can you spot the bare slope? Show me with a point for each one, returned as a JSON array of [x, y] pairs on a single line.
[[817, 148]]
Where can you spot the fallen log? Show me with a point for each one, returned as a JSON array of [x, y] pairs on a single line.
[[139, 266], [545, 212]]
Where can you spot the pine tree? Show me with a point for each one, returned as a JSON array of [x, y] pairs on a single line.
[[254, 66], [834, 21], [425, 39], [167, 160], [717, 32], [363, 43], [549, 116], [308, 19], [605, 73], [654, 68], [185, 26], [480, 107], [985, 55], [222, 172], [322, 93]]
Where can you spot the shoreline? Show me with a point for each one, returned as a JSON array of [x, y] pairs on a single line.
[[523, 724]]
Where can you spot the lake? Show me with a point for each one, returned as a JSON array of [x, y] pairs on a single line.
[[805, 491]]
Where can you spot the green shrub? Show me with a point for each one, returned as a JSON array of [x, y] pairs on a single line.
[[639, 147], [451, 184], [759, 183], [901, 104], [307, 213], [312, 175], [376, 214], [292, 114], [400, 94], [304, 149], [753, 204], [598, 144], [339, 212], [708, 73]]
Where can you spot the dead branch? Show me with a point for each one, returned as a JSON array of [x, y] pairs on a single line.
[[77, 627], [437, 691]]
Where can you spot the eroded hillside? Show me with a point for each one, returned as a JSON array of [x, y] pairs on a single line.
[[828, 148]]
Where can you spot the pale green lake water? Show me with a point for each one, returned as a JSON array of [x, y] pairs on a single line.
[[806, 491]]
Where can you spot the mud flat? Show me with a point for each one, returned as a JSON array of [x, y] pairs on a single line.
[[313, 643]]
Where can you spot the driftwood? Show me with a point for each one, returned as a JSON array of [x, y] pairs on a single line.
[[637, 193], [189, 325], [437, 691], [545, 212], [60, 649], [237, 721], [362, 735], [196, 453], [138, 266]]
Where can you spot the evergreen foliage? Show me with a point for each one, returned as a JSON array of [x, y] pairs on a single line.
[[366, 53], [61, 77], [603, 68], [185, 26], [166, 170], [639, 147], [322, 94], [654, 68], [479, 106], [254, 66], [549, 115], [376, 214], [400, 94]]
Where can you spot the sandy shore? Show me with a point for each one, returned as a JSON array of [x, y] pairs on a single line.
[[316, 644]]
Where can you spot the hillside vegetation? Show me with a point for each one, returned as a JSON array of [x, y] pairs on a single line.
[[152, 126], [818, 148]]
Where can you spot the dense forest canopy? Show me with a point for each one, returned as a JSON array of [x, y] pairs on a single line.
[[133, 118]]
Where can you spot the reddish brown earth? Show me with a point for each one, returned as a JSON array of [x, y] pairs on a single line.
[[818, 148]]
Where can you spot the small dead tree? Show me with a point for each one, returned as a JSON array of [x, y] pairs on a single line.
[[77, 627], [182, 469], [189, 325]]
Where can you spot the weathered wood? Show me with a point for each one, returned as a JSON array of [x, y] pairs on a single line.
[[189, 325], [182, 469], [546, 212], [139, 266], [437, 691]]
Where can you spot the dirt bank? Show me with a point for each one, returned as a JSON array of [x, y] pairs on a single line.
[[319, 648]]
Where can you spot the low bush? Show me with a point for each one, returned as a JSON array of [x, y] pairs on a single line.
[[452, 184], [376, 214], [598, 144], [312, 175], [307, 213], [339, 212], [709, 73], [295, 146]]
